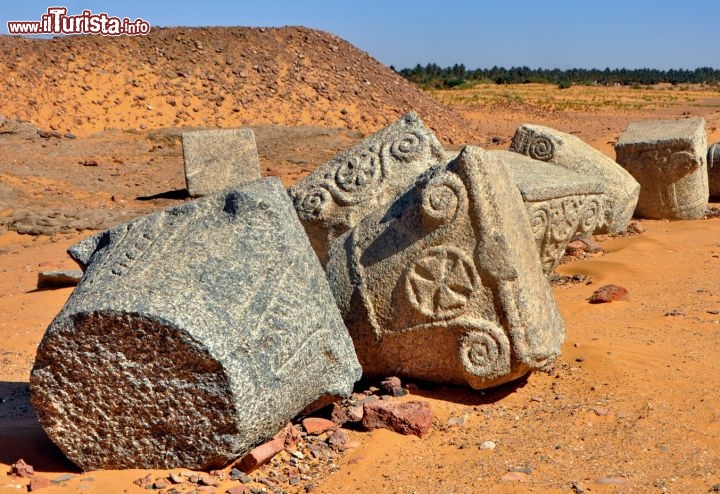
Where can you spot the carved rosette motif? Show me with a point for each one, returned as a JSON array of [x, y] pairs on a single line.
[[355, 179], [556, 222], [484, 351], [440, 283]]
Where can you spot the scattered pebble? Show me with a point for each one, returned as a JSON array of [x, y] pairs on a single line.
[[457, 420], [608, 293], [676, 313], [488, 445], [514, 477], [63, 478], [611, 480]]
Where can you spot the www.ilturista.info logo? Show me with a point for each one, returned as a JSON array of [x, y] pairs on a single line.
[[56, 21]]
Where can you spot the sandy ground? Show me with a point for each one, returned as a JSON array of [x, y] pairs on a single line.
[[632, 405]]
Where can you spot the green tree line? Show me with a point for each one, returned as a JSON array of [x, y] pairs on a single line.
[[432, 76]]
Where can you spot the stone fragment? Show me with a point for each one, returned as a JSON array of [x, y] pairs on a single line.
[[21, 469], [289, 435], [346, 412], [339, 440], [260, 455], [570, 152], [38, 482], [608, 293], [713, 164], [409, 417], [562, 205], [318, 425], [363, 179], [515, 477], [58, 279], [393, 387], [591, 245], [444, 285], [668, 159], [576, 248], [219, 159], [196, 333]]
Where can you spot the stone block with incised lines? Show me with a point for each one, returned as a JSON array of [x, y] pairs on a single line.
[[570, 152], [195, 333], [338, 194], [668, 158]]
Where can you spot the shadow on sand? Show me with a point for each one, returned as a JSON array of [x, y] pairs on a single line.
[[22, 437]]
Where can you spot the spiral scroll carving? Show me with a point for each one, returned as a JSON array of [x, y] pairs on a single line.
[[408, 147], [485, 351], [538, 147], [442, 198], [541, 148]]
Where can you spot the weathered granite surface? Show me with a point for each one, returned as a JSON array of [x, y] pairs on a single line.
[[444, 284], [668, 159], [219, 159], [196, 332], [363, 179], [713, 164], [566, 150], [562, 205]]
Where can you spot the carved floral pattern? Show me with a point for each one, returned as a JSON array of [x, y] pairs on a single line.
[[556, 222]]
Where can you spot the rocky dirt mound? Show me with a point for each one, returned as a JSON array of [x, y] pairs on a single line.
[[225, 77]]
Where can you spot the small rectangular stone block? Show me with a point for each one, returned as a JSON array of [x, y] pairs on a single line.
[[219, 159], [58, 279], [668, 159]]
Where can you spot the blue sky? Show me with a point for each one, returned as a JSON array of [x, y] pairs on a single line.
[[659, 34]]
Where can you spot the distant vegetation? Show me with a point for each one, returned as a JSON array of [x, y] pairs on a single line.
[[432, 76]]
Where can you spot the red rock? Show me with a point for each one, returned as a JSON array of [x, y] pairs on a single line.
[[21, 469], [317, 425], [608, 293], [289, 435], [339, 440], [38, 482], [345, 412], [393, 386], [411, 417], [575, 248], [591, 245], [237, 489], [261, 455]]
